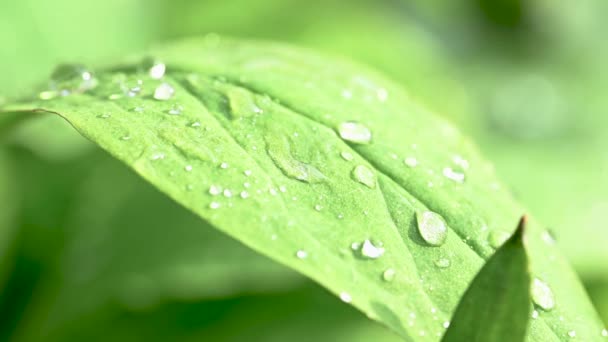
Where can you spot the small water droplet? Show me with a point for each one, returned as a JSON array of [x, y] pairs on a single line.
[[282, 188], [176, 109], [463, 163], [157, 70], [389, 274], [542, 295], [432, 228], [188, 168], [157, 156], [214, 205], [442, 263], [301, 254], [345, 297], [548, 238], [572, 333], [355, 246], [247, 173], [224, 165], [318, 207], [410, 161], [446, 324], [534, 314], [125, 137], [497, 237], [68, 78], [453, 175], [47, 94], [364, 175], [244, 194], [604, 332], [346, 155], [138, 109], [215, 190], [370, 250], [164, 92], [104, 116], [195, 124], [227, 193], [355, 132], [347, 94]]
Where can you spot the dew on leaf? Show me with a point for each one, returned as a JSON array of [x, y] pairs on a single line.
[[463, 163], [247, 173], [157, 156], [345, 297], [364, 175], [371, 250], [346, 155], [125, 137], [138, 109], [244, 194], [176, 109], [157, 70], [388, 274], [214, 205], [195, 124], [188, 168], [542, 295], [453, 175], [224, 165], [355, 132], [446, 324], [534, 314], [442, 263], [215, 190], [318, 207], [410, 161], [47, 95], [69, 78], [604, 332], [432, 228], [572, 333], [227, 193], [164, 92], [104, 116], [301, 254]]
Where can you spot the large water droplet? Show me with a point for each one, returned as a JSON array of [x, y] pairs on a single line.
[[432, 228], [355, 132], [364, 175], [371, 250], [164, 92], [69, 78], [542, 295]]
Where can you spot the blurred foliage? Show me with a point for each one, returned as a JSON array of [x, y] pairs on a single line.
[[525, 78]]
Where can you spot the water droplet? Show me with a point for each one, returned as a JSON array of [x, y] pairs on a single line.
[[534, 314], [410, 161], [157, 70], [548, 238], [318, 207], [572, 333], [214, 205], [355, 246], [442, 263], [68, 78], [125, 137], [370, 250], [164, 92], [247, 173], [301, 254], [104, 116], [346, 155], [364, 175], [224, 165], [604, 332], [282, 188], [389, 274], [497, 237], [188, 168], [215, 190], [227, 193], [176, 109], [347, 94], [195, 124], [432, 228], [345, 297], [453, 175], [446, 324], [542, 295], [138, 109], [355, 132], [244, 194], [157, 156]]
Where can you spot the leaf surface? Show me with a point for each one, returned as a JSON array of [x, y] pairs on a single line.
[[496, 306], [315, 156]]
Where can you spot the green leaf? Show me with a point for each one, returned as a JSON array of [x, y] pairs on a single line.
[[280, 131], [497, 303]]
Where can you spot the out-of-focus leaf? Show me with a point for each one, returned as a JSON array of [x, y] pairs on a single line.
[[244, 117]]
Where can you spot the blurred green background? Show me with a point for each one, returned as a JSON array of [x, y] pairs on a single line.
[[90, 252]]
